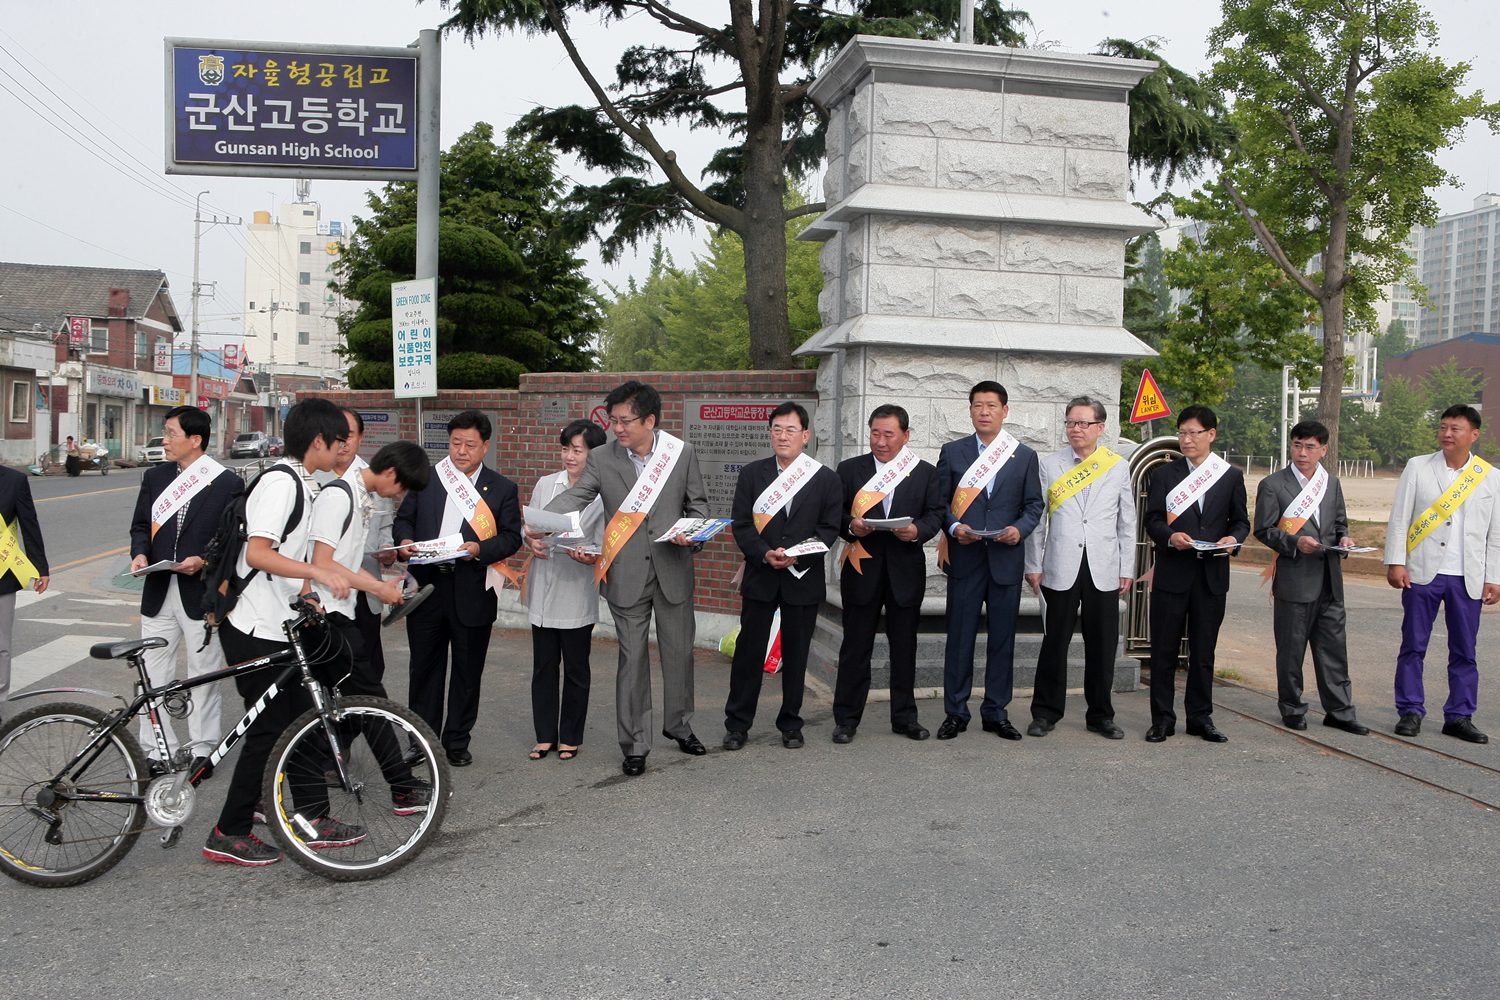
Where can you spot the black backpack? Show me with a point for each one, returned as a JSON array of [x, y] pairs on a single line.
[[222, 585]]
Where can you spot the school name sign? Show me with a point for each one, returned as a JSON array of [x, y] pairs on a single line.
[[268, 109]]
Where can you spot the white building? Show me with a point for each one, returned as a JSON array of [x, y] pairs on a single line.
[[291, 315], [1460, 268]]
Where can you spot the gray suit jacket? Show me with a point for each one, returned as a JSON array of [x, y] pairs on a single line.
[[610, 474], [1299, 577], [1421, 484], [1103, 526]]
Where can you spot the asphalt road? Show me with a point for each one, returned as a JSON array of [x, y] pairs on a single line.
[[1069, 866]]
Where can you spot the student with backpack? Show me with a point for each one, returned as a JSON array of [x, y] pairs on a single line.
[[267, 575]]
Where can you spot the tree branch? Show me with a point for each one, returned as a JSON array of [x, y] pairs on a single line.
[[1296, 134], [1269, 242], [812, 208], [676, 21], [1308, 91]]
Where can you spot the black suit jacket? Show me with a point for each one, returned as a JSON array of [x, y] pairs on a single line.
[[1301, 577], [1223, 515], [918, 497], [18, 510], [815, 514], [1016, 499], [420, 519], [202, 520]]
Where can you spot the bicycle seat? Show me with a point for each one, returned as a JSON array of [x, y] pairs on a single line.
[[127, 647]]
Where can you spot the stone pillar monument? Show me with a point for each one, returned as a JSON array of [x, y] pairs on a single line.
[[976, 229]]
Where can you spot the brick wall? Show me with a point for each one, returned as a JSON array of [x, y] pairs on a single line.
[[525, 446]]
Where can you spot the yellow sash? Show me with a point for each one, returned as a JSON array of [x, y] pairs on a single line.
[[12, 559], [1085, 473], [1463, 488]]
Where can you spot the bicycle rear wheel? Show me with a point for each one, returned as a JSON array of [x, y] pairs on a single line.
[[394, 803], [46, 838]]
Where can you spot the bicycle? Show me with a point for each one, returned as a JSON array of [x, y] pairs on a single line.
[[75, 789]]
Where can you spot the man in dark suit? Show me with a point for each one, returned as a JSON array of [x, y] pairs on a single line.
[[172, 599], [1198, 498], [18, 511], [1299, 512], [463, 497], [990, 482], [779, 502], [884, 570]]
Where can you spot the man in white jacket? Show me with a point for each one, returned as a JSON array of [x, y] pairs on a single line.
[[1443, 547]]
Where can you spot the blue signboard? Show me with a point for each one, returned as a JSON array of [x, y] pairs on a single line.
[[270, 109]]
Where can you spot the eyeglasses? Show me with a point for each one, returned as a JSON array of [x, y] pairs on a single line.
[[1191, 434], [1306, 445], [624, 421], [1079, 424]]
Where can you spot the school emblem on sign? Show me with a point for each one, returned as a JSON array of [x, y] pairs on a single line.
[[211, 70]]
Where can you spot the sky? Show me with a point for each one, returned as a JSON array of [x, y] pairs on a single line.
[[83, 183]]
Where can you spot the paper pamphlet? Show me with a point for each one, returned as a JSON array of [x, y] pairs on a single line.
[[697, 529]]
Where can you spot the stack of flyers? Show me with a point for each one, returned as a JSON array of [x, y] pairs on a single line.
[[697, 529]]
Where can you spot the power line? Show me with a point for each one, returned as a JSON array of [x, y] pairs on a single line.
[[80, 239]]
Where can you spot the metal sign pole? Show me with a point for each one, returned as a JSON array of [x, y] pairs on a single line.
[[429, 154]]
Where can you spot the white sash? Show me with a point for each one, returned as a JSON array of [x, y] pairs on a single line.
[[460, 488], [776, 496], [884, 482], [188, 484], [982, 470], [642, 495], [1307, 502], [1198, 482]]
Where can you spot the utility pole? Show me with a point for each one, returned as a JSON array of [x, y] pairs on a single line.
[[198, 221]]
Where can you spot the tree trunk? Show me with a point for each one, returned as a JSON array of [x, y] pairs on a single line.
[[1331, 391]]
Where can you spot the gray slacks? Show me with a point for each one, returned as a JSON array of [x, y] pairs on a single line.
[[7, 627], [675, 629], [1321, 625]]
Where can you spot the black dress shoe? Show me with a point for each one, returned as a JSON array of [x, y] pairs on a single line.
[[460, 758], [1296, 722], [1208, 733], [1002, 729], [688, 744], [734, 740], [633, 765], [792, 740], [1039, 727], [1410, 724], [951, 727], [843, 734], [911, 730], [1348, 726], [1159, 734], [1107, 729], [1464, 729]]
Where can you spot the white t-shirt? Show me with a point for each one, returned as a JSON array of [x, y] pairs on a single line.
[[266, 601], [330, 511]]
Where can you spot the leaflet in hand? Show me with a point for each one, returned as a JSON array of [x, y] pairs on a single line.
[[165, 566], [439, 550], [697, 529], [991, 533], [1352, 549], [887, 523], [550, 522], [1202, 546], [811, 547]]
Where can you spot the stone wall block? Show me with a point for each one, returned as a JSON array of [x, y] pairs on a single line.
[[828, 256], [900, 291], [1098, 173], [1056, 379], [828, 303], [1092, 301], [1061, 250], [1033, 424], [833, 143], [1037, 120], [858, 110], [993, 166], [901, 109], [854, 293], [854, 243], [904, 375], [833, 180], [936, 244], [997, 295], [856, 166], [900, 159]]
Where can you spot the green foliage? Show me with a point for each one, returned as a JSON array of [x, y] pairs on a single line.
[[1403, 426], [1447, 385], [511, 294], [1250, 413]]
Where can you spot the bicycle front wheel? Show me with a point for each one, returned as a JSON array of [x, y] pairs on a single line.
[[48, 837], [383, 816]]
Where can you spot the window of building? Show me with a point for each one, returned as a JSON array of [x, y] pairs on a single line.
[[99, 338], [304, 278], [19, 410], [142, 350], [252, 304], [304, 248], [304, 338], [305, 308]]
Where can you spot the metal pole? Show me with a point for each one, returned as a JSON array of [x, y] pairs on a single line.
[[193, 343], [429, 154], [1285, 371], [966, 22]]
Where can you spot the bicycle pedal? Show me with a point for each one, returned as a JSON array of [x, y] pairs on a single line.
[[171, 837]]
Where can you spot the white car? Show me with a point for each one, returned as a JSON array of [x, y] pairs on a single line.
[[156, 452]]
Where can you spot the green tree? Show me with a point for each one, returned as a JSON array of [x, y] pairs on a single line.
[[1448, 385], [1393, 342], [1250, 413], [1338, 112], [1403, 426], [512, 296]]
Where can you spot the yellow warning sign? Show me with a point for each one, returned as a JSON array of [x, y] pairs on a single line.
[[1150, 403]]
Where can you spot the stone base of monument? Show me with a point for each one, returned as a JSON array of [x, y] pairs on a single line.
[[932, 637]]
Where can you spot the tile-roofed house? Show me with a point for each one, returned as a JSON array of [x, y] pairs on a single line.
[[47, 294]]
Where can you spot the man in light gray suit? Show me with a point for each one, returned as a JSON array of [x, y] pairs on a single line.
[[1442, 546], [1081, 557], [644, 578], [1299, 513]]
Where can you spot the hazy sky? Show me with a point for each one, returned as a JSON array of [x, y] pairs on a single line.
[[95, 68]]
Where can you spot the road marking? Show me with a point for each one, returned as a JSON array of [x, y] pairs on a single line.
[[60, 621], [91, 493], [105, 600], [88, 559], [44, 661], [26, 598]]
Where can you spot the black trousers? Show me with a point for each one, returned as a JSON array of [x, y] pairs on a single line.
[[362, 679], [237, 816], [1199, 614], [748, 669], [433, 630], [369, 630], [852, 686], [1101, 634], [560, 722]]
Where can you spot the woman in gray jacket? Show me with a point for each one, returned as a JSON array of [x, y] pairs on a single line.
[[562, 601]]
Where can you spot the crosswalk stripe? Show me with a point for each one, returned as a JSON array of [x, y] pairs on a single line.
[[38, 664]]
